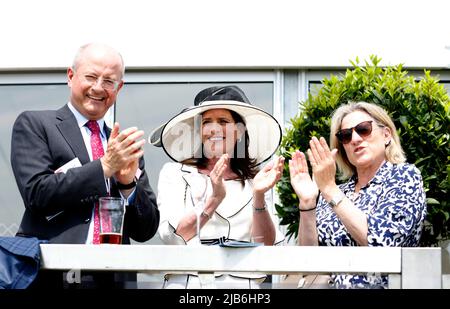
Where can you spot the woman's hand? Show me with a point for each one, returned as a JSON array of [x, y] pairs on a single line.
[[305, 188], [216, 176], [268, 176], [323, 164]]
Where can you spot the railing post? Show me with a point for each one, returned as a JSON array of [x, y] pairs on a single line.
[[421, 268], [395, 281], [207, 280]]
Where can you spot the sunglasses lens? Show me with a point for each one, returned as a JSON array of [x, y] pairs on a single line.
[[364, 128], [344, 136]]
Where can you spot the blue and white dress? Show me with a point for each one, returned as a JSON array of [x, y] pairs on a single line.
[[395, 206]]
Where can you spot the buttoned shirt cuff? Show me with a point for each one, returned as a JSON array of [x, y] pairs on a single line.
[[131, 197]]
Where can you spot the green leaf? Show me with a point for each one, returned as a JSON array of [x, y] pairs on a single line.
[[432, 201]]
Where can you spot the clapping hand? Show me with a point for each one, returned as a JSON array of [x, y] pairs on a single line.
[[216, 176], [323, 163], [122, 155], [305, 188], [268, 176]]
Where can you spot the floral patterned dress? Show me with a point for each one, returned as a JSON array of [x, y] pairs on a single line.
[[394, 203]]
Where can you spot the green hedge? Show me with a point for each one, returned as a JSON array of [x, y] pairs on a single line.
[[420, 109]]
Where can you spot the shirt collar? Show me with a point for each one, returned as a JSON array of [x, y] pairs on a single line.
[[382, 172], [189, 168], [81, 120]]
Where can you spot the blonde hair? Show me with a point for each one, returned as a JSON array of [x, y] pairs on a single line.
[[393, 152]]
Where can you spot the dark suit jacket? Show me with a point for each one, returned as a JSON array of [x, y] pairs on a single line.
[[43, 141]]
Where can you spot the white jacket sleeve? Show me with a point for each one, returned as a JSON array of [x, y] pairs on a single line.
[[171, 190]]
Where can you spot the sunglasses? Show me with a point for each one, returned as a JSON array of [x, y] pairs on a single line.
[[363, 129]]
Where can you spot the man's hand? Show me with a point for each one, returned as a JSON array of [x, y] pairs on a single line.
[[122, 155]]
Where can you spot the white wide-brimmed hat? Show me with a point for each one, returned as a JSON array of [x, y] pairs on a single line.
[[180, 137]]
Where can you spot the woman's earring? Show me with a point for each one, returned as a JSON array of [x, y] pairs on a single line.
[[387, 143], [239, 139]]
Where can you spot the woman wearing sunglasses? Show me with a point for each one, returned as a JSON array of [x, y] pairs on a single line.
[[382, 202]]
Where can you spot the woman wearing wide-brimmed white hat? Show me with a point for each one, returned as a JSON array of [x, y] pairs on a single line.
[[218, 145]]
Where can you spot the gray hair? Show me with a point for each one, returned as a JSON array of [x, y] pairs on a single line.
[[393, 152]]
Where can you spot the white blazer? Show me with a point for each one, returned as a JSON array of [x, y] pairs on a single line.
[[178, 189]]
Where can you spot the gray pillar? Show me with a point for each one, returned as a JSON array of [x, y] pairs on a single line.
[[421, 268]]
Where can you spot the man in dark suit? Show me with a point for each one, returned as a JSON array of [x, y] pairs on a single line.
[[55, 165]]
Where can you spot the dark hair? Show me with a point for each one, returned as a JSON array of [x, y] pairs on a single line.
[[243, 166]]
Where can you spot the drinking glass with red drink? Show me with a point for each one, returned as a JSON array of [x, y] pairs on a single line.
[[112, 212]]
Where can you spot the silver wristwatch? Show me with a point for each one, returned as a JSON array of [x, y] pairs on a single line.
[[337, 198]]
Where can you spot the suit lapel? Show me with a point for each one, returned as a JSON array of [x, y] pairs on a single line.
[[107, 130], [71, 132]]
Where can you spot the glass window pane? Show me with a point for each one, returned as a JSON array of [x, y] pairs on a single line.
[[314, 87], [16, 99]]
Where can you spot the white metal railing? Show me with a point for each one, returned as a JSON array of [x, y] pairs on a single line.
[[406, 267]]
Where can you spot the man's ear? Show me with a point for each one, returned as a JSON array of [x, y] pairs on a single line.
[[70, 74], [120, 86]]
